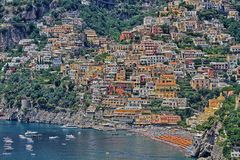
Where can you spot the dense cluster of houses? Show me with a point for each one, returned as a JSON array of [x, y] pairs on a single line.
[[137, 72], [146, 66]]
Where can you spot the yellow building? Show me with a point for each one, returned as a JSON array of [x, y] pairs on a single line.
[[92, 36], [121, 75], [166, 86]]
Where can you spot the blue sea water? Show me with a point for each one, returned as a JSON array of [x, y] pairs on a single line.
[[88, 145]]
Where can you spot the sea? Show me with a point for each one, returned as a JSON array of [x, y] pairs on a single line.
[[78, 144]]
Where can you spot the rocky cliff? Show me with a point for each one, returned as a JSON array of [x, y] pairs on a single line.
[[10, 35], [205, 147], [12, 32], [42, 116]]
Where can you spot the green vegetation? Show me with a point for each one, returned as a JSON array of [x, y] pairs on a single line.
[[208, 14], [231, 24], [45, 88], [101, 57], [232, 27], [105, 20], [156, 107], [224, 50], [196, 99], [229, 116], [185, 43], [189, 7]]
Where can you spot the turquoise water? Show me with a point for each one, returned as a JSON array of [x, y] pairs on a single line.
[[88, 145]]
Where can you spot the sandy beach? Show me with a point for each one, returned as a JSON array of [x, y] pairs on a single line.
[[155, 132]]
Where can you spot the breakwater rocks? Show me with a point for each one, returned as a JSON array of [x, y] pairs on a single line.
[[43, 116]]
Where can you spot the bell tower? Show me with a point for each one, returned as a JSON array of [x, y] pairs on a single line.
[[237, 103]]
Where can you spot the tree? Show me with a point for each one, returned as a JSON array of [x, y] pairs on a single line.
[[166, 28]]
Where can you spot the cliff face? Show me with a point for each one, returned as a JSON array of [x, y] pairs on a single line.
[[35, 115], [205, 147], [36, 12], [10, 36], [42, 116]]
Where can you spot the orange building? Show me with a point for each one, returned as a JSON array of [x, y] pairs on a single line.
[[166, 86], [165, 119], [143, 120], [126, 35], [130, 112]]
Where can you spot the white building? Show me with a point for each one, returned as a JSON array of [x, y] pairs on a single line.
[[149, 21], [153, 59]]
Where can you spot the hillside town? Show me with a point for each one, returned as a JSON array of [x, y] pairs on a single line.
[[152, 64]]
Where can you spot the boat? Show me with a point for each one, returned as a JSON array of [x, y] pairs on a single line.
[[30, 140], [8, 148], [70, 136], [22, 136], [29, 147], [68, 126], [53, 137], [6, 153], [7, 140], [31, 133]]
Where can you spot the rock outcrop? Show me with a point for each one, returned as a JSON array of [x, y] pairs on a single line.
[[10, 35], [43, 116], [33, 13], [11, 32], [205, 147]]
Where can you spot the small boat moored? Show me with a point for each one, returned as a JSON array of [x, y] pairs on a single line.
[[53, 137], [31, 133], [69, 126], [70, 136]]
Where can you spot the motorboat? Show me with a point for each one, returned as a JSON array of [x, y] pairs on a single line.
[[8, 148], [22, 136], [69, 126], [29, 147], [31, 133], [70, 136], [6, 153], [7, 140], [53, 137], [30, 140]]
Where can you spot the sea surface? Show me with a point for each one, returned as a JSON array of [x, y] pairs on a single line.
[[88, 144]]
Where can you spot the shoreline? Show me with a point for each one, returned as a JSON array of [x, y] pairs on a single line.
[[151, 132], [186, 152]]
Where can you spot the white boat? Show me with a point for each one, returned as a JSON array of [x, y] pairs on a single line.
[[53, 137], [69, 126], [31, 133], [6, 153], [22, 136], [8, 148], [70, 136], [29, 147], [30, 140], [7, 140]]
